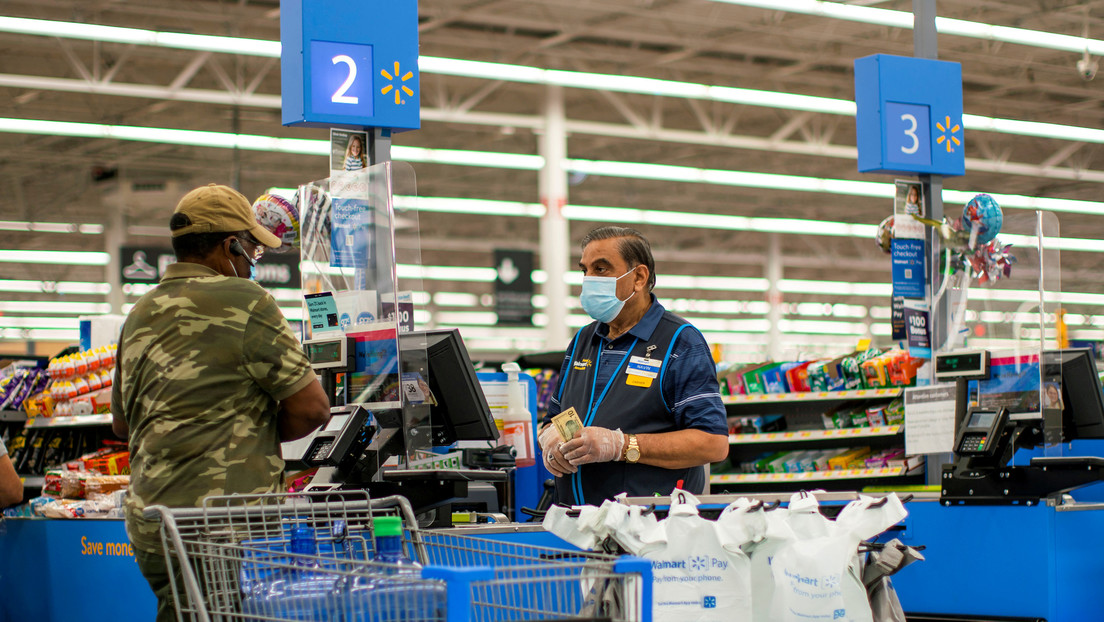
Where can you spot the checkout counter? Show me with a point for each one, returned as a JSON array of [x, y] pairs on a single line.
[[441, 399]]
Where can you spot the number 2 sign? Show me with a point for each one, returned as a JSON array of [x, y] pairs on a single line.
[[350, 64], [909, 115]]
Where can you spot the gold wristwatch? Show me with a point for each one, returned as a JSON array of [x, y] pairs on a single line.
[[632, 450]]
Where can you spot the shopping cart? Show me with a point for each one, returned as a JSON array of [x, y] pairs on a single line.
[[311, 557]]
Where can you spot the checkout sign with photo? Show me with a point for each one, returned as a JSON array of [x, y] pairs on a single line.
[[146, 264]]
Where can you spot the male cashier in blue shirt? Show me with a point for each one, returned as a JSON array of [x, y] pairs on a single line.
[[642, 380]]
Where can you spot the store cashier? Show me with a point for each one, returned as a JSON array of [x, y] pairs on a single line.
[[209, 377], [642, 380]]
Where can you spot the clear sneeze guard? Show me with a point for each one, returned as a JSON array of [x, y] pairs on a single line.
[[361, 272]]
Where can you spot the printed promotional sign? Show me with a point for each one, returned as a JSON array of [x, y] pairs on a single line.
[[908, 268], [918, 326]]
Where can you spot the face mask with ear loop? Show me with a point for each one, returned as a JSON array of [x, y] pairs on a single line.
[[599, 297], [237, 249]]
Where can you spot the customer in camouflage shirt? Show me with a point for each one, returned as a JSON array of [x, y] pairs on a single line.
[[209, 377]]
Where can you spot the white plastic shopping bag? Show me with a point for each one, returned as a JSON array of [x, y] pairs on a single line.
[[776, 534], [574, 530], [811, 573], [695, 577]]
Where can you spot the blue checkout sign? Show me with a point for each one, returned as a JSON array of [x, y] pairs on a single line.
[[350, 64], [909, 115]]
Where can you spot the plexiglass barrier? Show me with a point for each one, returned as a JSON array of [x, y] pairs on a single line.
[[355, 246], [1011, 310]]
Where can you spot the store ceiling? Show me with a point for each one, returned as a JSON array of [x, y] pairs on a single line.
[[50, 177]]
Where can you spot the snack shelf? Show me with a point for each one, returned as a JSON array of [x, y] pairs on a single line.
[[812, 476], [33, 481], [797, 436], [64, 422], [13, 415], [811, 396]]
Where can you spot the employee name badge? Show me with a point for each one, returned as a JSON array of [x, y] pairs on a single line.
[[641, 371]]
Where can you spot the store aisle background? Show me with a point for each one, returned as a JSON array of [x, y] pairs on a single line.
[[711, 213]]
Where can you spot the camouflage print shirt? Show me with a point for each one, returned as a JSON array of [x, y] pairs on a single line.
[[203, 360]]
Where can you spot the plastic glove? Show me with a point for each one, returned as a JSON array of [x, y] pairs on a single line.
[[594, 444], [554, 459]]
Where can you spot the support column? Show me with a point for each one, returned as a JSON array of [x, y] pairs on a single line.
[[114, 238], [554, 233], [925, 44], [379, 145], [774, 297]]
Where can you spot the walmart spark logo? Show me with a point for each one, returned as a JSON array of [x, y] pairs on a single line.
[[402, 88], [943, 138]]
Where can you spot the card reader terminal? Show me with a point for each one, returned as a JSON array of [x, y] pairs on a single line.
[[334, 441], [982, 433]]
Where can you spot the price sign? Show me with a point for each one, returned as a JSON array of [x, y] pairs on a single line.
[[909, 115], [350, 64]]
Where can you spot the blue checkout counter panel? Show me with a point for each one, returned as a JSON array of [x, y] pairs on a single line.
[[998, 561], [65, 570]]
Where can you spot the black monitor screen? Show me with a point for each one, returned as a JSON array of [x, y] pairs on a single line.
[[1081, 401], [461, 412]]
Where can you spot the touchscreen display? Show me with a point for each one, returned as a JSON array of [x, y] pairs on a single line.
[[981, 420], [336, 423]]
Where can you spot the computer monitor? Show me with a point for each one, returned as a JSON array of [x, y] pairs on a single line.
[[1071, 373], [461, 412]]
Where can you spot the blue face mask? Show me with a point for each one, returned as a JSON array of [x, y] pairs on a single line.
[[252, 272], [599, 297]]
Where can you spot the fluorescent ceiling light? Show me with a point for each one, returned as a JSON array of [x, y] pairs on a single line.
[[458, 205], [79, 258], [66, 323], [822, 327], [50, 227], [944, 25], [455, 299], [138, 36], [39, 334], [631, 84], [49, 306], [54, 287], [522, 161]]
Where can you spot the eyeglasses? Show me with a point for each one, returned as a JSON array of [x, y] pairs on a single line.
[[258, 248]]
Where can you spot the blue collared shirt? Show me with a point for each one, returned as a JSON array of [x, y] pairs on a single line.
[[690, 384]]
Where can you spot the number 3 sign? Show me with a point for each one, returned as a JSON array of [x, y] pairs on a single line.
[[350, 64], [909, 115]]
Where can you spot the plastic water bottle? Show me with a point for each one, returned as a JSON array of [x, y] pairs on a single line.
[[517, 424], [300, 592], [396, 593]]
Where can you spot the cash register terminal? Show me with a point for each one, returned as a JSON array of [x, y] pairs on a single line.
[[345, 434], [987, 470], [983, 433]]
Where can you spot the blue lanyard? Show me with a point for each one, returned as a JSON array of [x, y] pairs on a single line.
[[594, 384], [576, 480]]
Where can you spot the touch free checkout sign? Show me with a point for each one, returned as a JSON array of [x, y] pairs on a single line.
[[351, 64], [909, 115]]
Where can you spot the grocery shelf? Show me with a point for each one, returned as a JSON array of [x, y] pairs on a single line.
[[797, 436], [13, 415], [811, 476], [811, 396], [67, 422]]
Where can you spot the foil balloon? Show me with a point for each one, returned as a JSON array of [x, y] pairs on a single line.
[[884, 237], [983, 214], [279, 216]]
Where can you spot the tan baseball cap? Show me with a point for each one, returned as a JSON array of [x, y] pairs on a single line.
[[216, 209]]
